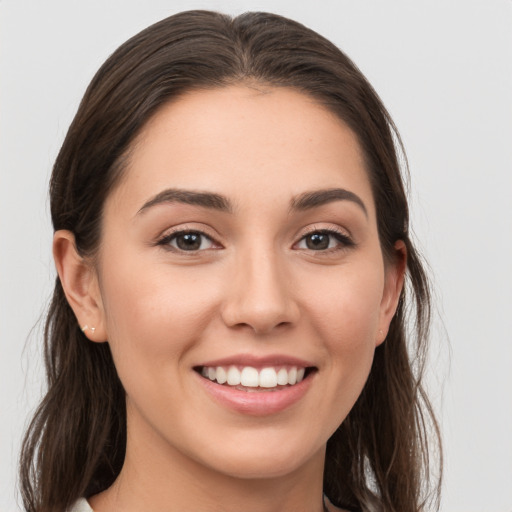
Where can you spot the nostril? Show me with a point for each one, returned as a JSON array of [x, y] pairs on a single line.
[[259, 328]]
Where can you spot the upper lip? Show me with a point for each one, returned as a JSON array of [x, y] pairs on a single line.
[[259, 361]]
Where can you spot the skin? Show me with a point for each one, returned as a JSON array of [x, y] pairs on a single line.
[[253, 288]]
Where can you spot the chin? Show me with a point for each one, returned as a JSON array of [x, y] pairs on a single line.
[[267, 459]]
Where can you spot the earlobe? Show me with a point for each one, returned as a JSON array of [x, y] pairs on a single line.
[[79, 281], [393, 285]]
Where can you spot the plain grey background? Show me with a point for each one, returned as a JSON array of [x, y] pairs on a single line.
[[444, 70]]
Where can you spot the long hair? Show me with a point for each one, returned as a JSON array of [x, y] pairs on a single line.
[[378, 459]]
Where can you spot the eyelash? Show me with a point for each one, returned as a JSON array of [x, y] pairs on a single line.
[[344, 240], [166, 240]]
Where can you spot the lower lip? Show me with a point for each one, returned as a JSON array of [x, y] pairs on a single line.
[[256, 403]]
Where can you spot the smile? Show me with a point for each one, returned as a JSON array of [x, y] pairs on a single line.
[[249, 378], [256, 386]]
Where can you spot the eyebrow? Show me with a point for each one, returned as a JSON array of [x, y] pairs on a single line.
[[317, 198], [304, 201], [204, 199]]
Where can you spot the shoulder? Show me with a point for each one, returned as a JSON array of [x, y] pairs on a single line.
[[80, 505]]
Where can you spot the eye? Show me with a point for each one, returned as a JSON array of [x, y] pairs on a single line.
[[325, 239], [187, 241]]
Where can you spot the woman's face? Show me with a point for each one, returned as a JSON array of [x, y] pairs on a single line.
[[242, 244]]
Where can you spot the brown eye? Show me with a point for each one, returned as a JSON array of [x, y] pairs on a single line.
[[317, 241], [188, 241], [324, 240]]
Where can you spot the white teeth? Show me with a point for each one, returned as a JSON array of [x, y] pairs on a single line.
[[250, 377], [292, 376], [282, 377], [268, 378], [233, 376], [222, 376]]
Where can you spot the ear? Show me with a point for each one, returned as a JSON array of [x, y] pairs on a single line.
[[393, 284], [80, 283]]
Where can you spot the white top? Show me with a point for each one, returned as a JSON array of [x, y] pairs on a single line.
[[81, 506]]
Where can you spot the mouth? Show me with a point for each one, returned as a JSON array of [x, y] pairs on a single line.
[[251, 379], [257, 386]]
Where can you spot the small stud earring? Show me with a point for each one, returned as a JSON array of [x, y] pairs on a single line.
[[85, 327]]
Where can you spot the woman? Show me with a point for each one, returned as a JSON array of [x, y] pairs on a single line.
[[228, 329]]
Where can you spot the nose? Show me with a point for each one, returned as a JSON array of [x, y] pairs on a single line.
[[260, 294]]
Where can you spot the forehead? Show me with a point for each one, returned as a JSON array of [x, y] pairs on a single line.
[[244, 142]]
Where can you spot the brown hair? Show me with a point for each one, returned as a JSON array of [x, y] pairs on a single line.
[[378, 459]]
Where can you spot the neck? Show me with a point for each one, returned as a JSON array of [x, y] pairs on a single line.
[[156, 476]]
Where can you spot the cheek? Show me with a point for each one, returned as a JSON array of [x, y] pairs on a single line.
[[344, 310], [348, 302], [156, 313]]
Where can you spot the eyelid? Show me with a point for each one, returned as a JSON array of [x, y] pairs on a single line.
[[324, 227]]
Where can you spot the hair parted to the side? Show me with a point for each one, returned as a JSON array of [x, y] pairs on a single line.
[[378, 459]]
